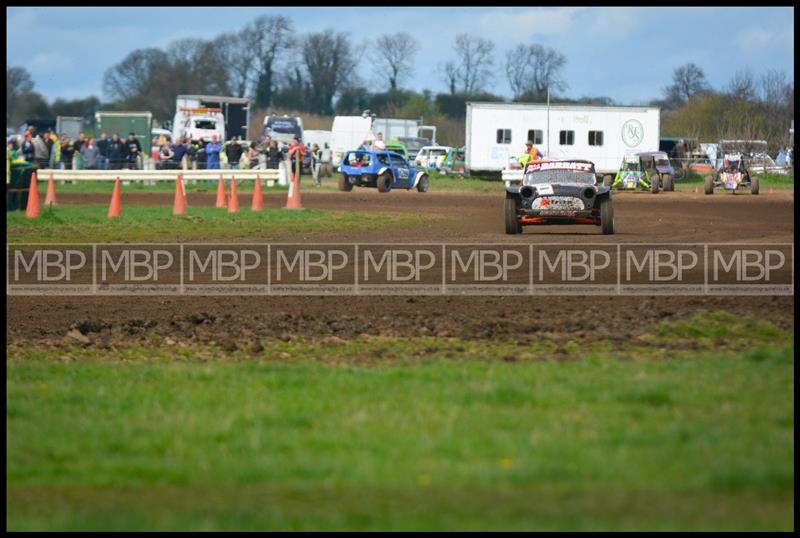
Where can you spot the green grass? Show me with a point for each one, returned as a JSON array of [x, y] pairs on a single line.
[[393, 434], [89, 223]]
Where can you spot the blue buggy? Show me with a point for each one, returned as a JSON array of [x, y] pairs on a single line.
[[385, 170]]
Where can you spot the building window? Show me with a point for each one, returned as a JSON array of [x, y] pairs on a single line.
[[504, 136], [535, 136], [566, 138], [595, 138]]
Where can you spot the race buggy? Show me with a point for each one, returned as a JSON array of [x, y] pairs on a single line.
[[382, 169], [558, 192], [733, 176], [633, 176]]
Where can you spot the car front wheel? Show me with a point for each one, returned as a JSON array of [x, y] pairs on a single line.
[[606, 216], [344, 183], [423, 184], [512, 222]]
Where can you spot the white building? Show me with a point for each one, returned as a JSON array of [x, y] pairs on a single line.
[[497, 132]]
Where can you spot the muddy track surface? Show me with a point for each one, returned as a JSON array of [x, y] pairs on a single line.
[[460, 217]]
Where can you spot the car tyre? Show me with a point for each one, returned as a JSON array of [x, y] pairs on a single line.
[[423, 184], [654, 180], [709, 185], [606, 216], [668, 184], [344, 183], [512, 223], [754, 185], [384, 182]]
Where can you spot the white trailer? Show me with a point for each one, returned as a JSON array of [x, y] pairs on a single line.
[[497, 133]]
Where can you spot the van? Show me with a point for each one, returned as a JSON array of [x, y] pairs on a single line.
[[283, 128]]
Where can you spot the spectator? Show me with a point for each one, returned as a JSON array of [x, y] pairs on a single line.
[[55, 151], [89, 154], [166, 155], [294, 149], [316, 163], [234, 153], [133, 150], [274, 155], [212, 153], [190, 154], [26, 149], [80, 142], [252, 156], [67, 152], [178, 152], [379, 144], [102, 151], [201, 157], [41, 150], [116, 152]]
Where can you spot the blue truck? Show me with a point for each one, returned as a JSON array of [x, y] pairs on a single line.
[[384, 170]]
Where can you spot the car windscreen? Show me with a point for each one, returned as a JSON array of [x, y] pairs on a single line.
[[438, 152], [662, 161], [205, 124], [558, 176], [357, 158]]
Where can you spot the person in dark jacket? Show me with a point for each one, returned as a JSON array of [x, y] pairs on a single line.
[[116, 152], [134, 149], [234, 152], [26, 149], [102, 151], [274, 155]]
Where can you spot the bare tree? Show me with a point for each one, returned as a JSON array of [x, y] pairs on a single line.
[[743, 85], [271, 35], [329, 64], [533, 69], [238, 56], [18, 82], [475, 62], [132, 76], [450, 75], [773, 87], [394, 56], [687, 80]]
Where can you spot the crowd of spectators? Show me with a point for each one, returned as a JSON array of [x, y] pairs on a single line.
[[48, 150]]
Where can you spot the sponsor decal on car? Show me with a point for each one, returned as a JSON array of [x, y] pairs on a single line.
[[557, 203], [560, 165]]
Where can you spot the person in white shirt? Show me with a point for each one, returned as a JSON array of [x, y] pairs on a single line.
[[379, 144]]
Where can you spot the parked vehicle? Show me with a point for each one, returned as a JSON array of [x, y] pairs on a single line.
[[431, 157], [397, 147], [283, 128], [453, 162], [732, 177], [383, 170], [414, 144], [199, 123], [497, 132], [350, 132], [235, 113], [72, 126], [139, 123]]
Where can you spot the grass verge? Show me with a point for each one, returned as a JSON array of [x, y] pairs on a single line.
[[89, 223]]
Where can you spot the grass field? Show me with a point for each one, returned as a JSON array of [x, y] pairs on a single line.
[[393, 434], [89, 223]]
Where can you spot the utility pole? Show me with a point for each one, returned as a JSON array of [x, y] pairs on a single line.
[[548, 120]]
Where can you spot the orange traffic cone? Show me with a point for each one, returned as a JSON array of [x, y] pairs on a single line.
[[32, 210], [50, 197], [179, 206], [258, 197], [116, 200], [293, 200], [694, 190], [233, 203], [183, 187], [221, 193], [771, 191]]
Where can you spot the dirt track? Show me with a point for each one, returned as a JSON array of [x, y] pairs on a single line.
[[462, 217]]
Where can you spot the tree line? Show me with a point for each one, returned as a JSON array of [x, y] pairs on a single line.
[[323, 73]]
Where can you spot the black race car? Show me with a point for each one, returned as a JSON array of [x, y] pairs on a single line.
[[559, 192]]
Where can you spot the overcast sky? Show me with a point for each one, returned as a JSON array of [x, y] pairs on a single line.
[[627, 54]]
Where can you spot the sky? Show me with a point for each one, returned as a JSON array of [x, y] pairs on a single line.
[[626, 53]]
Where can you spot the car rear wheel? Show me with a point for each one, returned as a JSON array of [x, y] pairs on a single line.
[[668, 185], [512, 223], [344, 183], [606, 216], [754, 185], [384, 182], [422, 186], [709, 184], [654, 180]]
